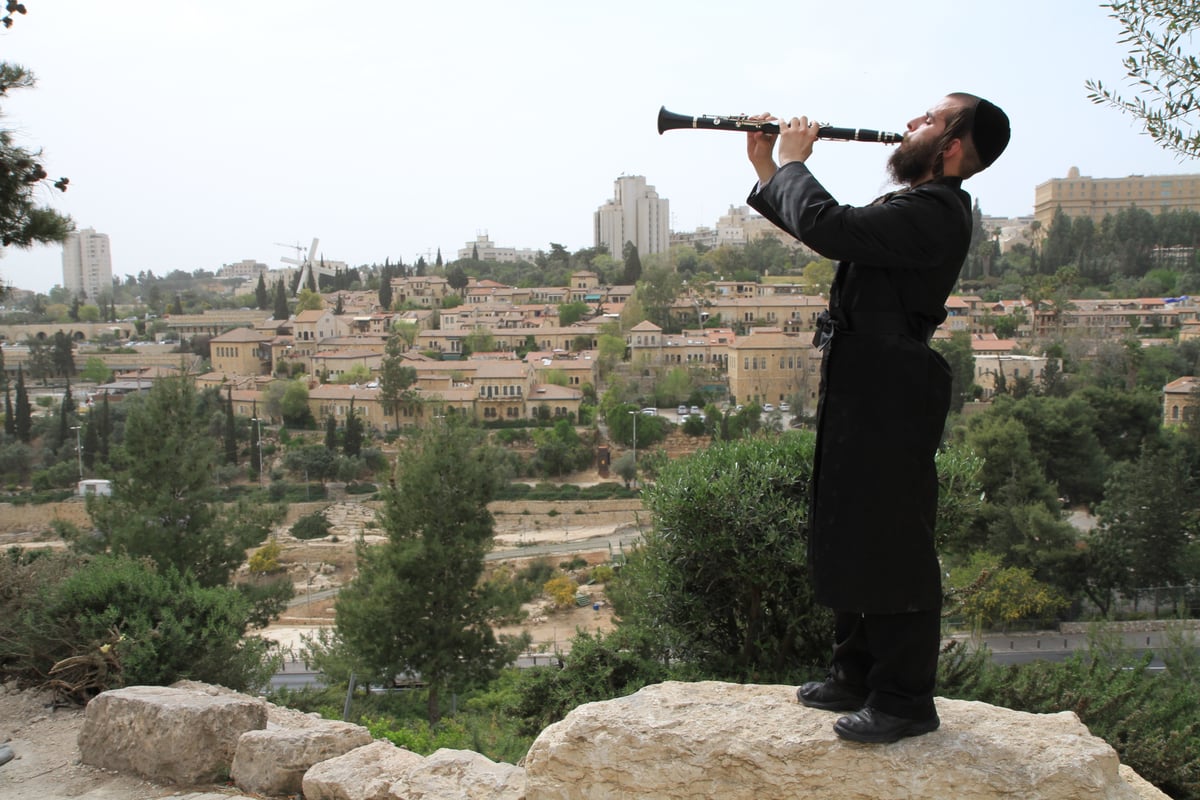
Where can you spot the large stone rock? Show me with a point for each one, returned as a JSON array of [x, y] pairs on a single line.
[[273, 761], [710, 739], [167, 734], [365, 773], [460, 775], [382, 771]]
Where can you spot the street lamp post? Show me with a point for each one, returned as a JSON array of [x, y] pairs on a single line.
[[78, 450]]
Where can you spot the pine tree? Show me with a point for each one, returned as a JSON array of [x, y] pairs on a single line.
[[164, 502], [418, 604]]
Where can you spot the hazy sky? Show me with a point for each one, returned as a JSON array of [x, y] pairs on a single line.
[[197, 134]]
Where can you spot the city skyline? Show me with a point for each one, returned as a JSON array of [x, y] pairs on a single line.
[[394, 132]]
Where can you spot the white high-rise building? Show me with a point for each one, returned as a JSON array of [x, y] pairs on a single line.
[[87, 265], [635, 214]]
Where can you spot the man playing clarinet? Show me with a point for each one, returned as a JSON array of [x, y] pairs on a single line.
[[884, 396]]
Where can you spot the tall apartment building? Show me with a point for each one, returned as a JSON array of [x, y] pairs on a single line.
[[1081, 196], [87, 264], [635, 214]]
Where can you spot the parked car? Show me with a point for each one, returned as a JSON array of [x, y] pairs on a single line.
[[785, 407], [649, 412], [768, 408], [694, 410], [682, 411]]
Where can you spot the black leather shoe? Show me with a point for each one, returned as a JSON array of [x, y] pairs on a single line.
[[872, 726], [830, 695]]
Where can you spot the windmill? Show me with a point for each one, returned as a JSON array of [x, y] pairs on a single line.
[[305, 264]]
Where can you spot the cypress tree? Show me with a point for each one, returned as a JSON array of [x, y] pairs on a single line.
[[105, 430], [91, 443], [262, 298], [385, 288], [352, 438], [281, 304], [24, 410], [331, 433], [230, 430]]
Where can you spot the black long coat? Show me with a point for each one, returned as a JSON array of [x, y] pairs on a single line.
[[884, 392]]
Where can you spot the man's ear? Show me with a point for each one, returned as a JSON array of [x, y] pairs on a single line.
[[953, 155]]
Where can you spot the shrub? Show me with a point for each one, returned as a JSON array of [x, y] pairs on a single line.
[[722, 576], [114, 621], [561, 590], [311, 526], [266, 558]]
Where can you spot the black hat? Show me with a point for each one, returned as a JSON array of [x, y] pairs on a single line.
[[990, 132]]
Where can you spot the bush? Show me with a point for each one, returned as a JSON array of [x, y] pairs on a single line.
[[110, 621], [311, 526], [266, 558], [722, 576], [355, 487], [1150, 719]]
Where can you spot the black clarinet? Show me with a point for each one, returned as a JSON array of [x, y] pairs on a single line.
[[668, 121]]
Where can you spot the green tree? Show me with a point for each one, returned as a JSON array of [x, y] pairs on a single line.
[[23, 411], [480, 340], [959, 353], [657, 291], [396, 380], [632, 271], [385, 289], [1148, 513], [23, 223], [418, 604], [163, 504], [309, 300], [262, 298], [457, 277], [95, 371], [1158, 34], [352, 436], [570, 313], [281, 304], [331, 433], [230, 430], [293, 406]]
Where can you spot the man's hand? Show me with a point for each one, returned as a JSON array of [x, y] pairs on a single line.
[[759, 147], [796, 139]]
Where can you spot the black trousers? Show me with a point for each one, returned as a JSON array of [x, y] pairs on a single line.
[[892, 657]]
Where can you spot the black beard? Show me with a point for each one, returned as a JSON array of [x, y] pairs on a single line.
[[912, 162]]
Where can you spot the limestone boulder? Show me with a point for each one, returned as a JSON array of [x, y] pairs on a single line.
[[712, 739], [168, 734], [273, 761], [365, 773], [460, 775]]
